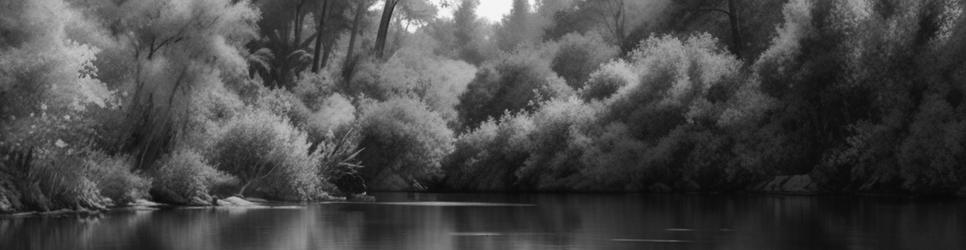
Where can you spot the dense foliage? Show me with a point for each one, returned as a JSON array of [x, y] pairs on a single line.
[[403, 143], [185, 178], [185, 101], [266, 153], [515, 82]]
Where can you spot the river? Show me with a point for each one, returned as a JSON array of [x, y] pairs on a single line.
[[517, 221]]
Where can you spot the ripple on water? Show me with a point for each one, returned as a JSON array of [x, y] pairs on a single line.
[[650, 240], [438, 204]]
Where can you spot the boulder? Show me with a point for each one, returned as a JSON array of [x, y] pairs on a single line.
[[235, 201], [256, 200], [143, 203]]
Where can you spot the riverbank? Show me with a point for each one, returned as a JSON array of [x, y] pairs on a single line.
[[805, 185], [140, 205], [791, 185], [148, 205], [517, 221]]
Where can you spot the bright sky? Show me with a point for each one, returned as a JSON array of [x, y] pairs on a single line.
[[491, 10]]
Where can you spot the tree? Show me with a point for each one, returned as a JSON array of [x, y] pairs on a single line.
[[265, 151], [617, 21], [414, 71], [44, 76], [404, 143], [350, 57], [732, 13], [164, 51], [613, 14], [517, 27], [417, 12], [580, 55], [331, 21], [465, 20], [468, 32], [517, 82], [324, 14], [286, 53], [387, 10]]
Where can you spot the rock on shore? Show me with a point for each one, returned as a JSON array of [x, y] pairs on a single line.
[[235, 201]]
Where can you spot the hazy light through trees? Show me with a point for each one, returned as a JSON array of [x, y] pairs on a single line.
[[490, 10]]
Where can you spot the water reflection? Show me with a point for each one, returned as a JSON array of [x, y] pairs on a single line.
[[495, 221]]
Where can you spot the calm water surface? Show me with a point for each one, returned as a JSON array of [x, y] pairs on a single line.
[[530, 221]]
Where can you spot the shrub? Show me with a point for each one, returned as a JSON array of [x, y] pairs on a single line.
[[614, 161], [183, 177], [515, 82], [605, 82], [415, 73], [314, 88], [664, 127], [339, 164], [488, 157], [334, 112], [65, 182], [579, 55], [60, 177], [931, 157], [283, 103], [676, 77], [557, 144], [365, 80], [269, 155], [403, 143], [115, 179], [211, 107], [711, 164], [663, 120]]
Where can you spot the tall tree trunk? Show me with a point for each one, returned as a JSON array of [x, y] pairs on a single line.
[[316, 59], [349, 55], [297, 26], [620, 22], [735, 28], [329, 43], [384, 26]]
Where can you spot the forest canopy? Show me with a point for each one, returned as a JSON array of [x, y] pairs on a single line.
[[105, 102]]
